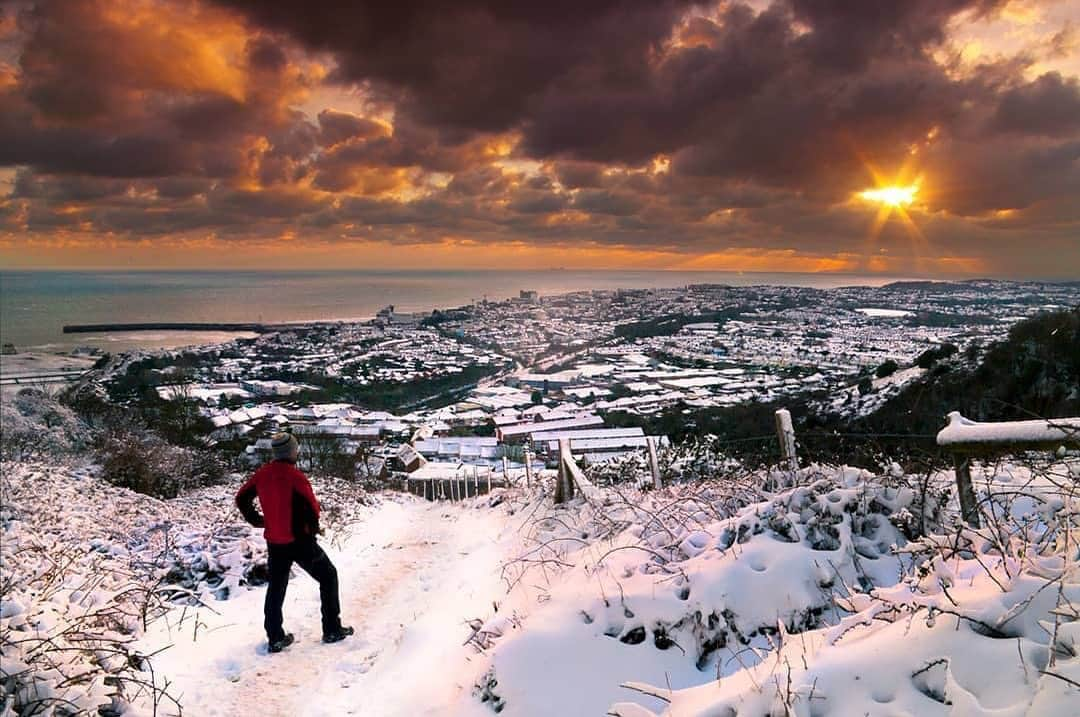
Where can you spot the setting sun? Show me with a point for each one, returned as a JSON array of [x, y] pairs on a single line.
[[891, 196]]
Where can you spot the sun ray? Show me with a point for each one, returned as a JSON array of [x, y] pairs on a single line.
[[894, 195]]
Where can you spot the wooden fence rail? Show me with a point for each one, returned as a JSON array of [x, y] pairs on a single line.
[[968, 440]]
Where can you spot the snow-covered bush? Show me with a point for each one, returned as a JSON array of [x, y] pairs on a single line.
[[71, 607], [85, 565], [979, 621], [693, 460], [36, 423], [829, 591], [144, 462]]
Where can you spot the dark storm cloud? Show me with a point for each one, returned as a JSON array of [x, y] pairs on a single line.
[[1050, 105], [646, 123], [486, 181], [993, 174], [338, 127], [476, 65], [849, 36], [68, 149], [65, 188], [604, 202], [271, 202], [114, 91], [181, 187], [266, 54], [579, 174], [530, 201], [801, 95]]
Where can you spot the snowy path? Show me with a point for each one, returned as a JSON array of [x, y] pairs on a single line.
[[411, 575]]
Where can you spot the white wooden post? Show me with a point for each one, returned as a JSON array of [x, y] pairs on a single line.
[[528, 469], [505, 480], [654, 465], [785, 431]]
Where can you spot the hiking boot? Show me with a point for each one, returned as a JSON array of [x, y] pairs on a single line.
[[337, 635], [281, 644]]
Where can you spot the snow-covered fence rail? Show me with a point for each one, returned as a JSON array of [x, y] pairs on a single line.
[[967, 440]]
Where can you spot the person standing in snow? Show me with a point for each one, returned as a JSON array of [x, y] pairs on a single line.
[[290, 518]]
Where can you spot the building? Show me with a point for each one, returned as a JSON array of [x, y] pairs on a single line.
[[463, 449], [597, 450], [524, 431]]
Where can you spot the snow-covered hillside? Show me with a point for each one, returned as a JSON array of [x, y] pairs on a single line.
[[833, 591], [849, 593], [850, 402], [87, 567]]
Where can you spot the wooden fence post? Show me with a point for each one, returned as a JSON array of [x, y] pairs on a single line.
[[654, 465], [564, 487], [528, 469], [969, 507], [785, 432]]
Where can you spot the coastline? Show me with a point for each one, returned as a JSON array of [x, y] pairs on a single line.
[[39, 304]]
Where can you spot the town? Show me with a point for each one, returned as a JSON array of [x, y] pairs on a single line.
[[494, 387]]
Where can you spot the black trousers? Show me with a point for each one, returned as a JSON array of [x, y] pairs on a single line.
[[308, 555]]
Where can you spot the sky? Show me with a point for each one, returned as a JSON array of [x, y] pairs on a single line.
[[915, 138]]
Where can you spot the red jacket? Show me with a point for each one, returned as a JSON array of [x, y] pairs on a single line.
[[289, 507]]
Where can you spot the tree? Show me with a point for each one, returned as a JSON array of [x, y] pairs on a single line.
[[178, 418], [888, 368]]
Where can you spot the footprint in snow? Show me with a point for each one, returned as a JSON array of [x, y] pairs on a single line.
[[229, 669], [358, 667]]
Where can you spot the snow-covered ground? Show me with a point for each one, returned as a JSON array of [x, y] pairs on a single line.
[[884, 313], [831, 591], [39, 370], [849, 402], [413, 574]]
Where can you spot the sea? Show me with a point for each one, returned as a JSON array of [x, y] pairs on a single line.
[[35, 305]]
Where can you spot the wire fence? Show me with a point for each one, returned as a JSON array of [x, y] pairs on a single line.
[[871, 450]]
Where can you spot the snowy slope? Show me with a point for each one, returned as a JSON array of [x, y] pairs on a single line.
[[832, 591], [412, 576], [815, 601], [848, 402]]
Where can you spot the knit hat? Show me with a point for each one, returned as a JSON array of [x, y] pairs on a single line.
[[285, 446]]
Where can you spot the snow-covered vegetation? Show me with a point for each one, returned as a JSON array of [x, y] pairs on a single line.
[[88, 566], [34, 421], [834, 591], [735, 590]]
